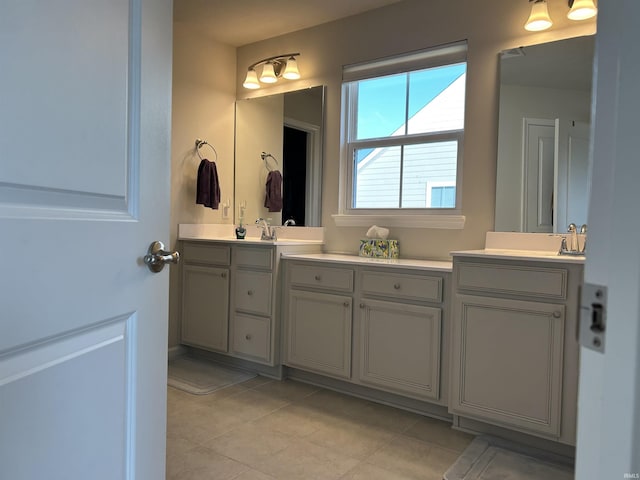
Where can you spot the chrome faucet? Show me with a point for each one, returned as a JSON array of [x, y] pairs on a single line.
[[268, 232], [574, 248]]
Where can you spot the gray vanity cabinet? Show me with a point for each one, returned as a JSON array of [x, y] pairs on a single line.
[[375, 326], [400, 347], [399, 335], [205, 296], [514, 351], [230, 297], [319, 319], [253, 300]]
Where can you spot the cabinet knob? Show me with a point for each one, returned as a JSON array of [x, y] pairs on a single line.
[[223, 274], [248, 336], [250, 292], [396, 286], [362, 305], [318, 277], [346, 304], [557, 314]]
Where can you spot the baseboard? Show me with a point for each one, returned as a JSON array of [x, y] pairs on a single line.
[[176, 351], [237, 363], [374, 395], [477, 427]]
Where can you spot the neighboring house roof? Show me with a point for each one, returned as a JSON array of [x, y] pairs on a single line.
[[439, 115]]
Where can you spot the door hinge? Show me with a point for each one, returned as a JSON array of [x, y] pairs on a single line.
[[593, 316]]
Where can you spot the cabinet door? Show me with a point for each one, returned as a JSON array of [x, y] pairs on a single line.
[[252, 337], [253, 292], [400, 347], [205, 307], [319, 332], [507, 362]]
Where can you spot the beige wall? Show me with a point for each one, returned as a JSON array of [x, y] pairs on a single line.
[[204, 92], [203, 107], [489, 26]]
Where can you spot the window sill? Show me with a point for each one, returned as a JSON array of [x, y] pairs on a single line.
[[447, 222]]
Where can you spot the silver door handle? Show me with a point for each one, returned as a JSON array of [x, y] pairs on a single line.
[[157, 257]]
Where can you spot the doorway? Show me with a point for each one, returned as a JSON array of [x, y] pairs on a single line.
[[294, 174]]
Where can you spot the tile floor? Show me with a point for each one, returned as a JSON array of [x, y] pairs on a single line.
[[264, 430]]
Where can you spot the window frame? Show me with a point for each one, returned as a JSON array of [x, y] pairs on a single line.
[[406, 217]]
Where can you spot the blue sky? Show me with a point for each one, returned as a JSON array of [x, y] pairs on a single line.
[[382, 103]]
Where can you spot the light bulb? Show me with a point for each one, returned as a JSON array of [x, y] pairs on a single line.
[[268, 75], [539, 18], [582, 9], [291, 70], [251, 80]]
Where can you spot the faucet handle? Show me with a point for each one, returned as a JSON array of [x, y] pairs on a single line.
[[563, 246], [572, 228], [583, 229]]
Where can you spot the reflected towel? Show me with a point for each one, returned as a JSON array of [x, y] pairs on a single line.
[[208, 187], [273, 199]]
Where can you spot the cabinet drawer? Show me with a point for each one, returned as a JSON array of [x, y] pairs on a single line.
[[206, 253], [414, 287], [251, 336], [254, 257], [513, 279], [253, 292], [324, 277]]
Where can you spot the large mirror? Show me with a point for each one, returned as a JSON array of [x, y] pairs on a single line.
[[543, 136], [280, 135]]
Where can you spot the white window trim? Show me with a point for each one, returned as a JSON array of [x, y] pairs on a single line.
[[443, 218]]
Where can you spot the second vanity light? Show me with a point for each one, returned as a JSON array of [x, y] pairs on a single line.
[[284, 66], [539, 18]]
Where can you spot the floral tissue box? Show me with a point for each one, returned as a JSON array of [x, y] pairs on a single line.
[[379, 248]]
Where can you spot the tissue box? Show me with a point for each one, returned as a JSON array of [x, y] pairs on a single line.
[[379, 248]]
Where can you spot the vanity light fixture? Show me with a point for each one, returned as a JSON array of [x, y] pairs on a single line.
[[284, 66], [581, 9], [539, 18]]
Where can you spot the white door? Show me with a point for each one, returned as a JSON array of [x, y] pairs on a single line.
[[572, 174], [609, 399], [85, 91], [538, 163]]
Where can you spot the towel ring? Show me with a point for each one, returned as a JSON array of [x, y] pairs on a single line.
[[265, 156], [200, 143]]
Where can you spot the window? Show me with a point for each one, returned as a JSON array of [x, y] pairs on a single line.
[[403, 125]]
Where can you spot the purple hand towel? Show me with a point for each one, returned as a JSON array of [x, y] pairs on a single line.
[[208, 187], [273, 198]]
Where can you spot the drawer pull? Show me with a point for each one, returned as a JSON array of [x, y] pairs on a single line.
[[396, 286], [318, 277], [248, 336], [250, 292], [557, 314]]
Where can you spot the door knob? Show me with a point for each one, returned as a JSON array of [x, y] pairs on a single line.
[[157, 257]]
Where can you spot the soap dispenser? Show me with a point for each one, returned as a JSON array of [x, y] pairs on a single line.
[[240, 230]]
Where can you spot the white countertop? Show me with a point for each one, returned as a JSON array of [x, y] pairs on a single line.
[[253, 241], [512, 254], [405, 263], [226, 233]]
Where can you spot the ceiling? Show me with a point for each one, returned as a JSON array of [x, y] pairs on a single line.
[[240, 22]]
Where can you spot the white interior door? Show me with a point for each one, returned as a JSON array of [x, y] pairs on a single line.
[[85, 91], [609, 399], [538, 171], [573, 179]]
